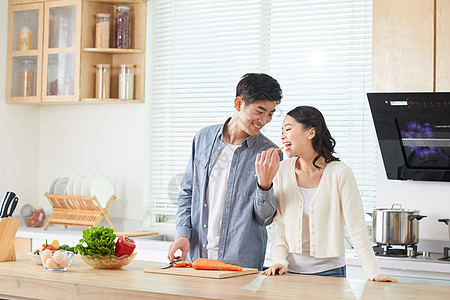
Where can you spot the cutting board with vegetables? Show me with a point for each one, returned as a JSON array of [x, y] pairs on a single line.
[[201, 273]]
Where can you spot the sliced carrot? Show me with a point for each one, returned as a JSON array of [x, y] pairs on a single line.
[[181, 264], [212, 264]]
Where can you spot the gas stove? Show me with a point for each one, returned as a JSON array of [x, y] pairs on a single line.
[[396, 250], [446, 256]]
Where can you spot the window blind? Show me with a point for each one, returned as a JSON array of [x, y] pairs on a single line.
[[319, 51]]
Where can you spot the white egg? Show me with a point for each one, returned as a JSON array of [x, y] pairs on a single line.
[[59, 257], [51, 264], [63, 264], [46, 254]]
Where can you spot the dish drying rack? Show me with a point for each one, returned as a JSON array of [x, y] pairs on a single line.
[[77, 211]]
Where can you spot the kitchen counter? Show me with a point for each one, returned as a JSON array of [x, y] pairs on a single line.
[[151, 248], [22, 278]]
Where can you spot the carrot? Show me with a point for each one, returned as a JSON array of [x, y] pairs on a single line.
[[181, 264], [281, 148], [212, 264]]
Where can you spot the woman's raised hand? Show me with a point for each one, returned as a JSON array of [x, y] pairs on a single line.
[[267, 164], [276, 269]]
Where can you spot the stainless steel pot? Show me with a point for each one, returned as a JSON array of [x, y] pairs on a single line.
[[396, 226]]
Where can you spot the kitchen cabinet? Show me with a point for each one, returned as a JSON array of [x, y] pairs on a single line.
[[402, 51], [24, 65], [442, 46], [411, 45], [58, 63]]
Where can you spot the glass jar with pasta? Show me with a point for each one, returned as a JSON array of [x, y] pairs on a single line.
[[102, 30], [102, 81]]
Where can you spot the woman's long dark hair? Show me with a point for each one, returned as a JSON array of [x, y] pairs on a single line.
[[322, 142]]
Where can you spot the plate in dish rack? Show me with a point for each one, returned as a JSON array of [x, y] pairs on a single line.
[[78, 184], [71, 184], [51, 190], [102, 188], [86, 186], [61, 185]]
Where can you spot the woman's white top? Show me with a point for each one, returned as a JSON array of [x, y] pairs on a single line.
[[304, 262], [335, 202]]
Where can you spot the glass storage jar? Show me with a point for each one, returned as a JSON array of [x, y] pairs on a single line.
[[68, 86], [102, 81], [52, 76], [51, 28], [33, 216], [64, 33], [27, 78], [126, 82], [25, 41], [102, 30], [122, 26]]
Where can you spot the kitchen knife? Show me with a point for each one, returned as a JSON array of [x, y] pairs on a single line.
[[170, 264], [5, 206], [6, 202], [13, 206]]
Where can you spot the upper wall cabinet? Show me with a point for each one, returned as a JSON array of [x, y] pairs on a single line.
[[411, 45], [443, 46], [76, 51], [403, 42], [23, 83]]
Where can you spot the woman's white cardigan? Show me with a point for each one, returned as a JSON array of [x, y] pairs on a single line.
[[336, 200]]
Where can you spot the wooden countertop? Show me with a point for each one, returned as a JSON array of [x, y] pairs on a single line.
[[22, 278]]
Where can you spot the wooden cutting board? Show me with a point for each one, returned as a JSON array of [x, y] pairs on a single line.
[[200, 273], [136, 233]]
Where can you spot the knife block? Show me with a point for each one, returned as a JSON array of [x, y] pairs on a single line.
[[8, 229]]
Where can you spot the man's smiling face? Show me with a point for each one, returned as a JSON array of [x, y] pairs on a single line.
[[255, 115]]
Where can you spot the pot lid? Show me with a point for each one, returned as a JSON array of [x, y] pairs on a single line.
[[396, 209]]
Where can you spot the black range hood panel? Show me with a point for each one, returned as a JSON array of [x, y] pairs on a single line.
[[413, 131]]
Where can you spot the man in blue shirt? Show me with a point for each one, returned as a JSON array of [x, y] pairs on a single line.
[[219, 216]]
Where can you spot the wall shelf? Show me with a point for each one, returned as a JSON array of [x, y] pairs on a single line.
[[113, 50], [57, 65]]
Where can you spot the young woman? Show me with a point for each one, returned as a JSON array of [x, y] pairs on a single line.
[[316, 195]]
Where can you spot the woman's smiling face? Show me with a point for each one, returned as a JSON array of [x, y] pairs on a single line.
[[295, 137]]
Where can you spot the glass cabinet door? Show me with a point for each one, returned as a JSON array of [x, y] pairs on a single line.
[[24, 53], [60, 74], [24, 74], [62, 26], [25, 30], [61, 51]]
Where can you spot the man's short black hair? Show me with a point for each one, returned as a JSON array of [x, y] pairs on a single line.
[[259, 86]]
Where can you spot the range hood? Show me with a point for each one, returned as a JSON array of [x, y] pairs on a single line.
[[413, 131]]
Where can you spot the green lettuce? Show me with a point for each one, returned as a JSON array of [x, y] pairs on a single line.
[[97, 240]]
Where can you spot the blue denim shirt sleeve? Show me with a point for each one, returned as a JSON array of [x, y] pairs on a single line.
[[265, 206], [183, 215]]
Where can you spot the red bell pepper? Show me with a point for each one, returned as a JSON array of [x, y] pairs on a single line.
[[124, 246]]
